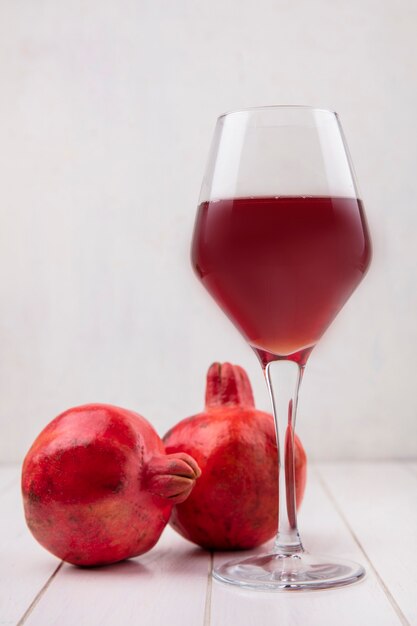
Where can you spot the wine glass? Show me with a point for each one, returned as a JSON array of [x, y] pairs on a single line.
[[281, 242]]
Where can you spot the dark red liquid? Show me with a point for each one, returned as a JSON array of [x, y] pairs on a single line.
[[281, 267]]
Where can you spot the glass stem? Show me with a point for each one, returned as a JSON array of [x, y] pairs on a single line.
[[283, 379]]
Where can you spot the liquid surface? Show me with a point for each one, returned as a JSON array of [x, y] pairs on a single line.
[[281, 267]]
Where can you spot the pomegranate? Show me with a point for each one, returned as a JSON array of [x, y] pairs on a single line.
[[98, 486], [234, 504]]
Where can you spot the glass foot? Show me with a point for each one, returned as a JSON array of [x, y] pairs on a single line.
[[294, 572]]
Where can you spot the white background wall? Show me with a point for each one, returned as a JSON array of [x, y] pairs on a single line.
[[106, 114]]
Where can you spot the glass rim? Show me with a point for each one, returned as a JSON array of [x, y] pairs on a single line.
[[278, 106]]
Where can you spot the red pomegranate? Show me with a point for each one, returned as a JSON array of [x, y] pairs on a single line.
[[98, 486], [234, 504]]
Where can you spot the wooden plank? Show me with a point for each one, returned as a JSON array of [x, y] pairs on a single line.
[[24, 566], [360, 506], [165, 586], [380, 502], [325, 532]]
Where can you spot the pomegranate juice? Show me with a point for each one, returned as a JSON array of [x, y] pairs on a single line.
[[281, 267]]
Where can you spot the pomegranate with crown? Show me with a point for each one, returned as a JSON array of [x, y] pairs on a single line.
[[235, 502], [98, 486]]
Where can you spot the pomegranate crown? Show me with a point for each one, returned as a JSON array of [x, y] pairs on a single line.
[[172, 476], [228, 385]]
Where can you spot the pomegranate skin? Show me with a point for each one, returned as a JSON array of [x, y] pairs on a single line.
[[98, 486], [234, 504]]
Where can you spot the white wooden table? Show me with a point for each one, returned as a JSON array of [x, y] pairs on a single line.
[[363, 511]]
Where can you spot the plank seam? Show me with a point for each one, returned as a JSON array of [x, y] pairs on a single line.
[[38, 596], [390, 597], [207, 606]]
